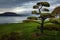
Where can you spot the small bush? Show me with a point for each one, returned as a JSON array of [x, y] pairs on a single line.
[[32, 17], [27, 21], [12, 36], [52, 26], [4, 37], [55, 20]]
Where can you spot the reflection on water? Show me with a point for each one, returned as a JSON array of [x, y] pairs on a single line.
[[11, 19]]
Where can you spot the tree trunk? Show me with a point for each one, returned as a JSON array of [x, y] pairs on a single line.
[[42, 26], [39, 11], [59, 16], [40, 8]]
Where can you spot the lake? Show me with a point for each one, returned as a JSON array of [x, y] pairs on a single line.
[[13, 19]]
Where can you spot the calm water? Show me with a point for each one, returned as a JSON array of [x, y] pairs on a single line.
[[11, 19]]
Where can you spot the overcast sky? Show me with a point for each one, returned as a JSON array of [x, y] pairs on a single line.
[[24, 6]]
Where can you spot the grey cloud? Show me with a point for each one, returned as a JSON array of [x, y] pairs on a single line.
[[15, 3], [12, 3]]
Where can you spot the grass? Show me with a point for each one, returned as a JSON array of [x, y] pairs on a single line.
[[25, 28], [29, 29], [17, 27]]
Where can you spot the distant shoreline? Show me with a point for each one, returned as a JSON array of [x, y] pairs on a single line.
[[11, 14]]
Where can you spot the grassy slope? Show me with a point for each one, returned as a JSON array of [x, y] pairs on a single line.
[[17, 27], [27, 29]]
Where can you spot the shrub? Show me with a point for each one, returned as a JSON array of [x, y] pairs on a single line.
[[32, 17], [4, 37], [55, 20], [52, 26], [27, 21], [12, 36]]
